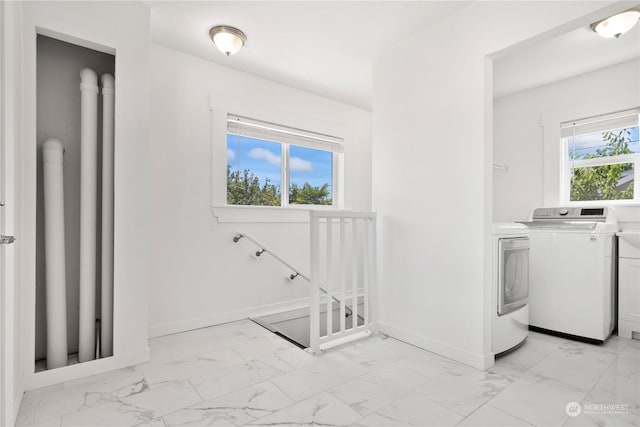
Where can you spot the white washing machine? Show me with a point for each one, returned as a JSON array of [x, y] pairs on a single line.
[[510, 273], [573, 270]]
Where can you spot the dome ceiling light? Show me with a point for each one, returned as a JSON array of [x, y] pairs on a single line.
[[616, 25], [228, 40]]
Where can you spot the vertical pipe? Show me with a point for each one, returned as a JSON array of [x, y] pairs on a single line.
[[88, 199], [106, 266], [55, 270], [314, 320]]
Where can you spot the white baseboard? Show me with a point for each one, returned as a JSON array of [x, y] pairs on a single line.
[[16, 404], [85, 369], [231, 316], [627, 329], [477, 361]]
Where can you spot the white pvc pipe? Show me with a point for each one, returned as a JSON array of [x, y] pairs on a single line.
[[88, 201], [106, 318], [55, 269]]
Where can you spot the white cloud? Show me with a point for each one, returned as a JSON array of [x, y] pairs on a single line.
[[230, 155], [299, 165], [263, 154]]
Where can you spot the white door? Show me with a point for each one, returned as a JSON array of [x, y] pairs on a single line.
[[7, 286], [513, 274]]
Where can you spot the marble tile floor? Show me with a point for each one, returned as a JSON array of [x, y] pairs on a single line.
[[240, 374]]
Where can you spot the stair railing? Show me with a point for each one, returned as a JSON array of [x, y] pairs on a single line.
[[348, 240], [296, 272]]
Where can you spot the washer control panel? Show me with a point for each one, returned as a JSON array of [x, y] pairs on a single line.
[[590, 214]]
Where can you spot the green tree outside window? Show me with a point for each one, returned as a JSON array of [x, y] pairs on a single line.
[[602, 182], [244, 188]]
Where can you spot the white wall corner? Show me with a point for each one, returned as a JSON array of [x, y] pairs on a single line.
[[213, 222], [16, 405], [478, 361]]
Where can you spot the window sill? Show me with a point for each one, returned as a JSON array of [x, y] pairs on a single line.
[[274, 214], [613, 203]]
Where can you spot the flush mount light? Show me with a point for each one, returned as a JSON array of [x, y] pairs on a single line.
[[617, 25], [228, 39]]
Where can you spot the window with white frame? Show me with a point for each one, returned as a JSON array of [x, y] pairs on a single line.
[[275, 165], [601, 158]]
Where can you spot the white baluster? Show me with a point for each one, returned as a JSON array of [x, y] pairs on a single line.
[[354, 273], [373, 267], [329, 262], [342, 277], [314, 336], [365, 268]]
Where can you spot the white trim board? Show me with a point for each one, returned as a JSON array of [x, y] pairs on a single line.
[[85, 369], [482, 362], [253, 214], [11, 382], [220, 318]]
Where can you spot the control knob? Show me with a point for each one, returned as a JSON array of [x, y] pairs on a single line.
[[563, 211]]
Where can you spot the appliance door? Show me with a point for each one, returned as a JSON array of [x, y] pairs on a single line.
[[513, 274]]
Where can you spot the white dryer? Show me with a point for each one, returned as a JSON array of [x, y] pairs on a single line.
[[573, 271], [510, 274]]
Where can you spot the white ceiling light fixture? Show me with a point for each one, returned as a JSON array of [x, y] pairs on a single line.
[[228, 40], [616, 25]]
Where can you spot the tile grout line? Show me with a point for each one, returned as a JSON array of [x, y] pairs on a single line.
[[514, 416], [412, 391], [252, 384], [294, 402], [566, 419], [195, 389], [527, 370], [390, 403], [243, 362]]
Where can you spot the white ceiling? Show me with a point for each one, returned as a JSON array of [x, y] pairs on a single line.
[[323, 47], [327, 47], [576, 52]]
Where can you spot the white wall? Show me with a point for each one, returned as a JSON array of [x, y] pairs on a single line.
[[198, 276], [112, 27], [432, 143], [519, 137], [11, 337]]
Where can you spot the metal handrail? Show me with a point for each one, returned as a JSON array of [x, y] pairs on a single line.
[[297, 273]]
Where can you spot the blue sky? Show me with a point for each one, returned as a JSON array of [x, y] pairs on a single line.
[[587, 144], [263, 159]]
